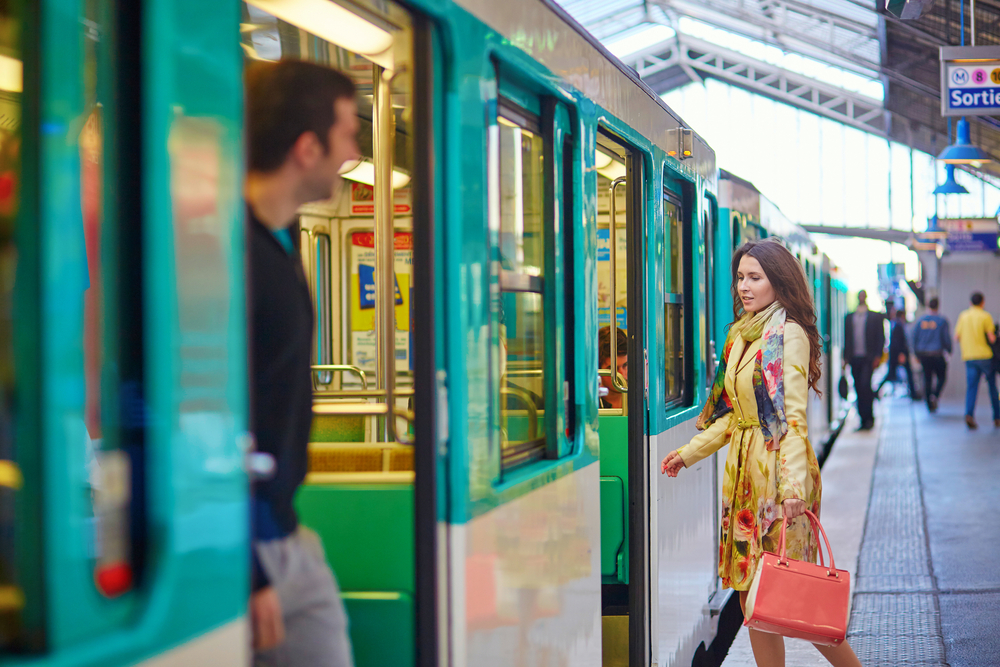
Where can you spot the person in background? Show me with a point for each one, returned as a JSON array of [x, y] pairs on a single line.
[[899, 354], [996, 348], [864, 339], [301, 125], [931, 339], [974, 333], [615, 398]]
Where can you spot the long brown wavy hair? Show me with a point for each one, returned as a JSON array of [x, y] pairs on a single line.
[[789, 283]]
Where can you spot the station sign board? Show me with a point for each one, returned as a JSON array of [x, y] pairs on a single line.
[[970, 80], [890, 277], [971, 234]]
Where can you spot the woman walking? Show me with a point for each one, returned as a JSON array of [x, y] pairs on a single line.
[[758, 406]]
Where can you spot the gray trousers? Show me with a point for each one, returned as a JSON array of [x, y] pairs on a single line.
[[314, 616]]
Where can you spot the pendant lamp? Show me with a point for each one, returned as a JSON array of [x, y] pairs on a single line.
[[950, 185], [962, 151]]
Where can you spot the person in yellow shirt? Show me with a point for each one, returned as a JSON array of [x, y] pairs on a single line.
[[974, 333]]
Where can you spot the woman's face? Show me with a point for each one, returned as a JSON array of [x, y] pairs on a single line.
[[754, 288]]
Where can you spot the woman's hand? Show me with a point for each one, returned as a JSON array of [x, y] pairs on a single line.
[[672, 464], [793, 507]]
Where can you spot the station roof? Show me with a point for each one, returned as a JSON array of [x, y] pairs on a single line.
[[848, 60], [912, 72]]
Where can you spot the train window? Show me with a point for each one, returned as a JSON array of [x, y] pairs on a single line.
[[675, 290], [522, 251]]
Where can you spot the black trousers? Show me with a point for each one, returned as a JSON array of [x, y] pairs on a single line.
[[933, 365], [861, 371], [892, 374]]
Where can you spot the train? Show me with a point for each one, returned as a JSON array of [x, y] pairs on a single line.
[[519, 189]]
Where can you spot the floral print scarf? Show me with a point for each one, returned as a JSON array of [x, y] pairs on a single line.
[[768, 379]]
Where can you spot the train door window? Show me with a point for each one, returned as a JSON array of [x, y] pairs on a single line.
[[532, 368], [521, 316], [675, 293], [530, 155], [611, 160]]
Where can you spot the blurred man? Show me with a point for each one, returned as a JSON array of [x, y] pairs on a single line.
[[864, 339], [301, 126], [615, 398], [931, 340], [899, 354], [974, 333]]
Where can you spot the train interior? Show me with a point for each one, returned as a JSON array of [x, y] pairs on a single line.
[[357, 251], [613, 217]]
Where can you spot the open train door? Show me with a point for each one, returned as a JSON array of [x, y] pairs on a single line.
[[368, 255]]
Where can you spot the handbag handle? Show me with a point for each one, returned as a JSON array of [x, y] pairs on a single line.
[[781, 543], [783, 559]]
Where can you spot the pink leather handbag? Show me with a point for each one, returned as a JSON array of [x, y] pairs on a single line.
[[799, 599]]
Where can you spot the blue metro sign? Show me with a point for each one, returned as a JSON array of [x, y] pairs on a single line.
[[970, 80]]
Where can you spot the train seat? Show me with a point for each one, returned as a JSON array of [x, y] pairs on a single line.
[[382, 627], [612, 526], [367, 532], [372, 457], [338, 428], [613, 430]]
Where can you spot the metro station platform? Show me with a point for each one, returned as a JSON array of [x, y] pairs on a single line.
[[911, 509]]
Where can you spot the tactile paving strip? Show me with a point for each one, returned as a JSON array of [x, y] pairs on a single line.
[[879, 615], [895, 618]]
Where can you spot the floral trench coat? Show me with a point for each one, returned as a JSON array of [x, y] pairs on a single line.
[[757, 480]]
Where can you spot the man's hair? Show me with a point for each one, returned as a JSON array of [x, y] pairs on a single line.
[[284, 100], [933, 303], [977, 298], [604, 344]]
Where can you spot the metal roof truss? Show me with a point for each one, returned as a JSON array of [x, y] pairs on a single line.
[[849, 42], [679, 60]]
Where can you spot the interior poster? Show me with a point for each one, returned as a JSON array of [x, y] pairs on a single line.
[[604, 278], [362, 322]]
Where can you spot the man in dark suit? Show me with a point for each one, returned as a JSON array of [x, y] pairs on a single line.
[[864, 340]]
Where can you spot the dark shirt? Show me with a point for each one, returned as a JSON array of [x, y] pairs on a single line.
[[931, 335], [281, 328], [897, 341]]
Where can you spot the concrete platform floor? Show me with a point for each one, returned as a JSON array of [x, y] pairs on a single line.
[[960, 471], [928, 590]]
